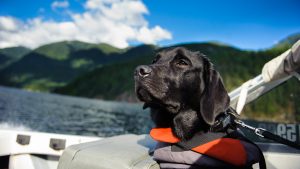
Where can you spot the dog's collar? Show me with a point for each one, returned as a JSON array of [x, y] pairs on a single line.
[[225, 121], [222, 124]]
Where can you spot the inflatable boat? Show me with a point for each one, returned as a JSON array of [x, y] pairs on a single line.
[[34, 150]]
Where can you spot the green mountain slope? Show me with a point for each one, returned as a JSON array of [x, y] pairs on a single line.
[[235, 60], [4, 60], [62, 50], [288, 41], [115, 82], [12, 54], [112, 82], [102, 71], [54, 65], [34, 68]]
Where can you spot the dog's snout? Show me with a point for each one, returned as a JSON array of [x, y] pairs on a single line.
[[143, 71]]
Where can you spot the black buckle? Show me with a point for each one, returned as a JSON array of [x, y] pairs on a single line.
[[227, 120]]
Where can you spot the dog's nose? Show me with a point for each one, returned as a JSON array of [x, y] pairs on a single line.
[[143, 71]]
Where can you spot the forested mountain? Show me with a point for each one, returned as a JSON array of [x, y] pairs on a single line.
[[105, 72], [54, 65], [12, 54]]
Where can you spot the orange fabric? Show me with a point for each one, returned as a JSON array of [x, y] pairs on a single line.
[[226, 149], [163, 135]]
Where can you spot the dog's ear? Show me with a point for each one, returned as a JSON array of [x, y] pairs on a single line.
[[214, 98]]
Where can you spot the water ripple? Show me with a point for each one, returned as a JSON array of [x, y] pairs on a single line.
[[24, 110]]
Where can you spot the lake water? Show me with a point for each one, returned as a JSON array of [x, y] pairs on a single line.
[[23, 110]]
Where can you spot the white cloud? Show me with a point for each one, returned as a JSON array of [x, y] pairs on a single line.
[[116, 22], [60, 4], [152, 35], [8, 23]]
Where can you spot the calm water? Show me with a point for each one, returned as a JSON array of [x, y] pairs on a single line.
[[24, 110]]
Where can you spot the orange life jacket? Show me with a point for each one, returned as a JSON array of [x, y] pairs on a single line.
[[228, 150]]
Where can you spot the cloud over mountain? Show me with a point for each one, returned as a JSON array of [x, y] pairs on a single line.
[[116, 22]]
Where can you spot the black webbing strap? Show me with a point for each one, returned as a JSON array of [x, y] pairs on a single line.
[[232, 121], [262, 161], [225, 127], [196, 140], [202, 138], [279, 139], [266, 134]]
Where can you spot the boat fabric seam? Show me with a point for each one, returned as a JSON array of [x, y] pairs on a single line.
[[142, 158], [77, 151]]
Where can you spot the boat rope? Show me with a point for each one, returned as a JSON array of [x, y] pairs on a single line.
[[243, 95]]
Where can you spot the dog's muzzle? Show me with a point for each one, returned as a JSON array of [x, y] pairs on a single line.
[[142, 71]]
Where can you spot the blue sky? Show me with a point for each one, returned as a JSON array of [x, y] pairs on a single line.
[[248, 24]]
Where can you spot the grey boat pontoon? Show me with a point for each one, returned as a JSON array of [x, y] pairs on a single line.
[[33, 150]]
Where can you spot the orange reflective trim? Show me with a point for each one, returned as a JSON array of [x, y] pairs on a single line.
[[225, 149], [163, 135]]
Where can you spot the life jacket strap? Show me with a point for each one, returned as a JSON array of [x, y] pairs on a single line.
[[211, 144]]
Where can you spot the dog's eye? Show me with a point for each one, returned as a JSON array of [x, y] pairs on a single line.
[[182, 62]]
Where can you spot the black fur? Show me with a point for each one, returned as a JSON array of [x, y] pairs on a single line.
[[183, 91]]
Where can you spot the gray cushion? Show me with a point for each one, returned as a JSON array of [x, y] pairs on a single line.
[[125, 151]]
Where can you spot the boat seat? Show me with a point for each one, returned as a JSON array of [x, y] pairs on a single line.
[[135, 152], [30, 161], [125, 151]]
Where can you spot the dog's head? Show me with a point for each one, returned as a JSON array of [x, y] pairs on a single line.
[[180, 80]]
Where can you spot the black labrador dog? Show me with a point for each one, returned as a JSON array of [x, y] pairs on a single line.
[[183, 90]]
